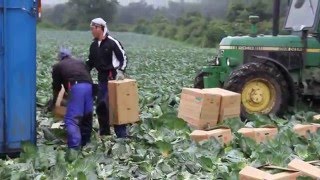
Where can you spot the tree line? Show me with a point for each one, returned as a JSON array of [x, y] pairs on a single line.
[[203, 24]]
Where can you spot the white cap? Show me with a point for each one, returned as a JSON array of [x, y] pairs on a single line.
[[101, 22]]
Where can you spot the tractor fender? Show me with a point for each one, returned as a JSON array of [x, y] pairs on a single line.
[[286, 74]]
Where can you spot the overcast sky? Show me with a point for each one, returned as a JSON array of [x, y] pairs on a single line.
[[62, 1], [123, 2]]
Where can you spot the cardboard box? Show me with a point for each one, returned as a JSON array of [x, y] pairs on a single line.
[[304, 129], [248, 132], [60, 96], [259, 134], [230, 105], [199, 135], [316, 127], [123, 102], [224, 136], [251, 173], [286, 176], [305, 168], [263, 134], [199, 108], [60, 110]]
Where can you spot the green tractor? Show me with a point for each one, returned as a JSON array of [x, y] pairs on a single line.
[[271, 72]]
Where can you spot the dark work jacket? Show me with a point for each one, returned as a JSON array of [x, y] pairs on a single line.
[[67, 72], [107, 58]]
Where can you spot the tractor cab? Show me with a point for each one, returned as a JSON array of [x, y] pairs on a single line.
[[303, 15], [271, 72]]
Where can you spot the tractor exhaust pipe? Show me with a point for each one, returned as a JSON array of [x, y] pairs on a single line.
[[276, 17]]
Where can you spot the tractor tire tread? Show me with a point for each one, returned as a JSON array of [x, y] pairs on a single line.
[[239, 76]]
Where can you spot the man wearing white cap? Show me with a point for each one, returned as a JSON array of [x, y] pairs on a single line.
[[108, 57]]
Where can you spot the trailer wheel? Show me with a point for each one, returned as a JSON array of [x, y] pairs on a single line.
[[262, 87]]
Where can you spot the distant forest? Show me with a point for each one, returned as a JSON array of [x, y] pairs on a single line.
[[203, 24]]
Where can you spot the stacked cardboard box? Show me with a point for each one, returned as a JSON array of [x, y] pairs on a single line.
[[229, 105], [199, 108], [204, 108]]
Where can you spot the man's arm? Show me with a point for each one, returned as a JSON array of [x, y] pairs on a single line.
[[120, 54]]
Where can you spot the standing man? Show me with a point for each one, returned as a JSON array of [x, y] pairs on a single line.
[[108, 57], [76, 79]]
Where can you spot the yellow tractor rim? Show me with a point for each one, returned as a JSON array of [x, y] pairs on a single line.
[[258, 96]]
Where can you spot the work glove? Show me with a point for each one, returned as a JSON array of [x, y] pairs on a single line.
[[120, 75]]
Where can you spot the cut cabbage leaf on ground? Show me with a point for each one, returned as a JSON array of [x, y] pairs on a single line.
[[160, 147]]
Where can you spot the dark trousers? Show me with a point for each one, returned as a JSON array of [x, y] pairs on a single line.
[[78, 118], [103, 113]]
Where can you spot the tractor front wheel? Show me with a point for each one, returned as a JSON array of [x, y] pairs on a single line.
[[262, 87], [198, 81]]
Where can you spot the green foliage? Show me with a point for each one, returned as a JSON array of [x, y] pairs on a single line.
[[77, 14], [46, 25], [135, 11], [160, 147], [203, 24], [191, 28], [194, 28]]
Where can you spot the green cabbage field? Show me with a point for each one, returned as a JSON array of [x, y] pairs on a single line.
[[160, 147]]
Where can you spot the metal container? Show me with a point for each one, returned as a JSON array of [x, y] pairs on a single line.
[[18, 20]]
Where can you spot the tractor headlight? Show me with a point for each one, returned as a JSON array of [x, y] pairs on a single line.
[[232, 62], [228, 61]]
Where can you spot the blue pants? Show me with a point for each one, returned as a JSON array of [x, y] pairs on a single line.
[[78, 118], [103, 113]]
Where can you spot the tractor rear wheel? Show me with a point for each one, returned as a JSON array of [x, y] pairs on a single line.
[[262, 87]]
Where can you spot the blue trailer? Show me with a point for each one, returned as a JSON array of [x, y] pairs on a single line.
[[18, 20]]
